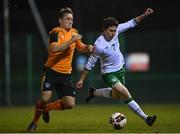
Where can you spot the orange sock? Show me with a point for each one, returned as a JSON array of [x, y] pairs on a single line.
[[37, 115], [38, 111], [57, 105]]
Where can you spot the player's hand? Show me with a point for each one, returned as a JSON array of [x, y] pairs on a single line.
[[90, 48], [76, 37], [79, 84], [148, 11]]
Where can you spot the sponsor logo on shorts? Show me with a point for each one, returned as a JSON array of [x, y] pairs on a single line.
[[114, 79], [47, 84]]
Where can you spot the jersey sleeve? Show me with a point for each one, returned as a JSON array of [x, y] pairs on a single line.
[[125, 26], [98, 50], [53, 37], [80, 46], [91, 62]]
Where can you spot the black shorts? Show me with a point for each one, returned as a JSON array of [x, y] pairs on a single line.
[[61, 83]]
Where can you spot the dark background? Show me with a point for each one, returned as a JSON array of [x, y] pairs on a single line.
[[89, 13]]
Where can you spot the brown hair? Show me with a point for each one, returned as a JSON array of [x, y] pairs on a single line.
[[109, 21], [65, 10]]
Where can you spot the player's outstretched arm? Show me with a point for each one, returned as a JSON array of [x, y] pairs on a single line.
[[141, 17], [56, 47], [83, 76]]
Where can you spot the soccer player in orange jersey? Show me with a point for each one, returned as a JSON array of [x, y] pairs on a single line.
[[57, 76]]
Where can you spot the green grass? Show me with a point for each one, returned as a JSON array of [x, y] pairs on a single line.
[[92, 119]]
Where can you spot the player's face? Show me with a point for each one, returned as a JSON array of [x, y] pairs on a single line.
[[109, 33], [67, 21]]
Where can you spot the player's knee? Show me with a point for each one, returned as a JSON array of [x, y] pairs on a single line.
[[44, 100], [40, 105], [46, 96], [68, 105]]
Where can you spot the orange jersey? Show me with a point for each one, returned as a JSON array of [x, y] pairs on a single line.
[[62, 61]]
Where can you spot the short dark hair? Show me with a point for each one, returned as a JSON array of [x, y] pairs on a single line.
[[109, 21], [63, 11]]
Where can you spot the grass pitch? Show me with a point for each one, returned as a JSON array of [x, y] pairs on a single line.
[[92, 119]]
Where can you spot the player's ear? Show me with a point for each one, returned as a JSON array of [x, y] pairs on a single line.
[[60, 21]]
